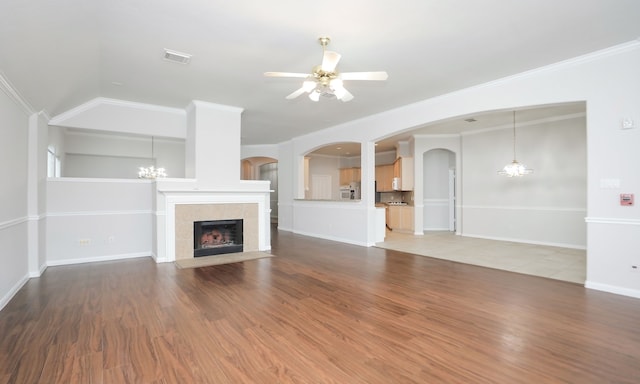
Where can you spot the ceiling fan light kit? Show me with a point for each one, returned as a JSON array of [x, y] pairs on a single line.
[[325, 80]]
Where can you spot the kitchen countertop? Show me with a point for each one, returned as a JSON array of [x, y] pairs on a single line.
[[332, 200]]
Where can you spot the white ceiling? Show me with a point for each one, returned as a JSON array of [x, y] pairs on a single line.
[[60, 54]]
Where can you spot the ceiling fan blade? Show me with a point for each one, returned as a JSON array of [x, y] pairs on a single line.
[[285, 74], [347, 96], [382, 75], [340, 91], [330, 61], [296, 93], [307, 86]]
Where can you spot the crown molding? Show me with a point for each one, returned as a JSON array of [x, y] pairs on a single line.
[[527, 124], [14, 95]]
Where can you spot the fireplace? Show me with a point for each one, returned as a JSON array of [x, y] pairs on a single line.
[[183, 209], [215, 237]]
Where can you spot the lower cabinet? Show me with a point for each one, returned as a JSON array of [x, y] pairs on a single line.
[[400, 218]]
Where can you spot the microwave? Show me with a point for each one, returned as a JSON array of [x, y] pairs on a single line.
[[395, 184], [345, 193]]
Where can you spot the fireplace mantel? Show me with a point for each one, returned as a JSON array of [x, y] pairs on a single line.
[[172, 193]]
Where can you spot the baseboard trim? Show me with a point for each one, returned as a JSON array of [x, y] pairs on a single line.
[[12, 292], [54, 263], [524, 241], [332, 238], [38, 273], [612, 289]]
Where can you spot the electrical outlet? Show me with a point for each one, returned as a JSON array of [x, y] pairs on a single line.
[[84, 242], [111, 239]]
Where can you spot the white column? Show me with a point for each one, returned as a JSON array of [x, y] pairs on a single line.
[[212, 146]]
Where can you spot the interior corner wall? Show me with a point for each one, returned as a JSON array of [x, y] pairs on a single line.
[[286, 186], [37, 193], [14, 217]]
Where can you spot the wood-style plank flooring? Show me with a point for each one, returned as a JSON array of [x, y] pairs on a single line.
[[318, 312]]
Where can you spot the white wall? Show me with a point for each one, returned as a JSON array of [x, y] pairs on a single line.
[[288, 187], [37, 193], [98, 219], [436, 166], [14, 217], [545, 207]]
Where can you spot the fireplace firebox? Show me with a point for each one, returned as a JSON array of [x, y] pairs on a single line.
[[215, 237]]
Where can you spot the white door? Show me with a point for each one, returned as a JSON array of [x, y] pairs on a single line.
[[452, 200], [321, 187]]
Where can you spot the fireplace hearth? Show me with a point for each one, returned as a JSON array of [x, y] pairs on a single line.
[[215, 237]]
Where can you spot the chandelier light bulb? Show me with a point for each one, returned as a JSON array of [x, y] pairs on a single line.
[[315, 95], [514, 169], [151, 172]]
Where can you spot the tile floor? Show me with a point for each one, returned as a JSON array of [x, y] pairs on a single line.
[[551, 262]]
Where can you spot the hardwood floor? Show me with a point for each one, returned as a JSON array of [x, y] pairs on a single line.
[[318, 312]]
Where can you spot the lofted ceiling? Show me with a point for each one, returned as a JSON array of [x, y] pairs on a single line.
[[61, 54]]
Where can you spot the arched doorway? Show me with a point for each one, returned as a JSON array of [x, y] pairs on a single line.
[[263, 168]]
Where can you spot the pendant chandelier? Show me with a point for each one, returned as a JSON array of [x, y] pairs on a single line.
[[151, 172], [514, 169]]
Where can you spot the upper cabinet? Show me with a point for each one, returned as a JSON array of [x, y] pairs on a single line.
[[384, 178], [347, 175], [403, 170]]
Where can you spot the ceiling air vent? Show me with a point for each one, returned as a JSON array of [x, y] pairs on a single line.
[[176, 57]]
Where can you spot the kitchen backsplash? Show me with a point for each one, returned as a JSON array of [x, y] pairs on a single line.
[[404, 196]]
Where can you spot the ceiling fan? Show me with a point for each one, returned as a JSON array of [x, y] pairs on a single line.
[[325, 80]]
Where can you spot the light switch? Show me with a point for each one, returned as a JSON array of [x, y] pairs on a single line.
[[628, 123], [609, 183]]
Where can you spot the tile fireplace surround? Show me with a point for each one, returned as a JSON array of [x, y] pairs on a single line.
[[187, 214], [178, 208]]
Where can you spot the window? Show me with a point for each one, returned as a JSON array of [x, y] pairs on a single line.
[[53, 163]]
